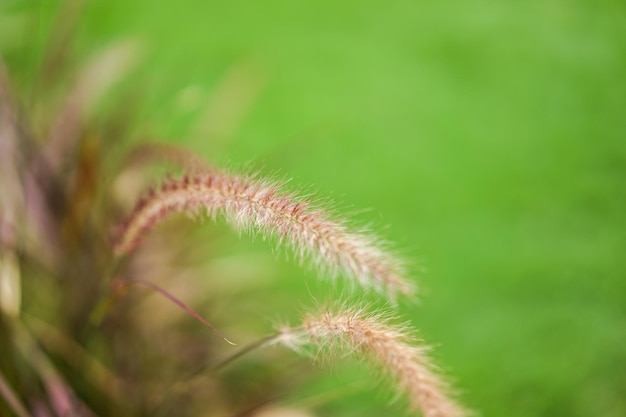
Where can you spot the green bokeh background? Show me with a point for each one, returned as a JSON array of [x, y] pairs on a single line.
[[488, 139]]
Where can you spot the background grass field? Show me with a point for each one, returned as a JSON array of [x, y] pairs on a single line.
[[488, 138]]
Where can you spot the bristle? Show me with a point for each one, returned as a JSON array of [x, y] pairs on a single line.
[[387, 346], [258, 206]]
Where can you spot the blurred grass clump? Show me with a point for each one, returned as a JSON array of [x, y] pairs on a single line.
[[490, 135]]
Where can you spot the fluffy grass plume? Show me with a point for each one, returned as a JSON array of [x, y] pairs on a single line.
[[387, 346], [259, 206]]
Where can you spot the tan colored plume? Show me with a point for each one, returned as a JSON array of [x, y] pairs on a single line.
[[259, 206], [387, 346]]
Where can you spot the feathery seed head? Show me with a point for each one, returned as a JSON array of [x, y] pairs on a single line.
[[388, 346], [256, 206]]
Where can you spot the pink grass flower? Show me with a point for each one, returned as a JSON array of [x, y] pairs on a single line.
[[387, 346], [258, 206]]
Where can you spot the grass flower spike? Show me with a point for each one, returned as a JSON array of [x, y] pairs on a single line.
[[259, 206], [387, 346]]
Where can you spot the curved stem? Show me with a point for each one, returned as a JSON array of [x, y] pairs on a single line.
[[179, 303]]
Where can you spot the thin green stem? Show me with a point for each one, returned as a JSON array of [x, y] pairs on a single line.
[[255, 345]]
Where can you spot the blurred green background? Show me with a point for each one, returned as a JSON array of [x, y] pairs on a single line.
[[486, 138]]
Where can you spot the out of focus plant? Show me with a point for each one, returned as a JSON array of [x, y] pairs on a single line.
[[76, 338]]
